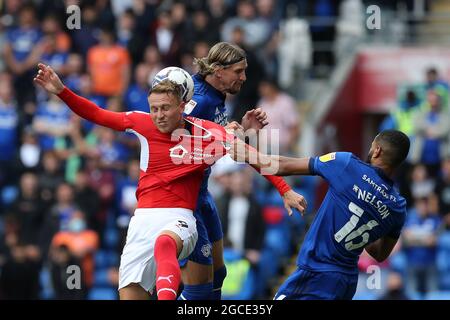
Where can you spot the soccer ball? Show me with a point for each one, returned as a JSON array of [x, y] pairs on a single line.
[[179, 76]]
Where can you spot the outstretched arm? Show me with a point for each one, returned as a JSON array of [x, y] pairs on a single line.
[[290, 197], [381, 249], [49, 81], [278, 165]]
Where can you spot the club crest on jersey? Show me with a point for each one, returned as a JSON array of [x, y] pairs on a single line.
[[189, 106], [328, 157], [206, 250], [178, 152]]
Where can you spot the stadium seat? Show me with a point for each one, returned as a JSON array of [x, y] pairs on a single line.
[[438, 295], [101, 278], [398, 262], [443, 261], [106, 259], [45, 281], [111, 238], [8, 195], [103, 294]]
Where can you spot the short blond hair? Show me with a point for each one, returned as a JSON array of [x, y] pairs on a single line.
[[168, 87], [222, 54]]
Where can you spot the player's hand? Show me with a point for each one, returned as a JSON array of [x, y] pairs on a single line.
[[238, 150], [48, 79], [254, 119], [292, 199], [235, 128]]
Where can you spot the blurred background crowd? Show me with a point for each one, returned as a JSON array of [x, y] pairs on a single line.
[[67, 187]]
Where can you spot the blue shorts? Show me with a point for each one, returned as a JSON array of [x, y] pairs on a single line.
[[309, 285], [209, 229]]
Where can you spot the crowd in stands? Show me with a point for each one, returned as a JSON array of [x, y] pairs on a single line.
[[67, 186], [419, 268]]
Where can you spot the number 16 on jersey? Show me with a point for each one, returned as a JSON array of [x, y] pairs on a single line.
[[346, 230]]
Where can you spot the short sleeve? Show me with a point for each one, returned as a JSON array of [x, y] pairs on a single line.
[[330, 166]]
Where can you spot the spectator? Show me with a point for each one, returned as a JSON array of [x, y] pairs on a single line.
[[86, 198], [60, 258], [164, 37], [282, 111], [419, 240], [9, 125], [242, 221], [436, 83], [19, 279], [443, 188], [152, 59], [52, 120], [432, 129], [29, 211], [18, 52], [256, 31], [29, 153], [126, 198], [74, 67], [129, 38], [51, 25], [81, 242], [50, 177], [59, 215], [402, 117], [107, 61], [86, 37], [137, 93], [422, 185]]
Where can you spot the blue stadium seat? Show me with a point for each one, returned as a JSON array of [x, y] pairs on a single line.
[[8, 194], [103, 294], [366, 295], [438, 295], [111, 238], [45, 281], [101, 278], [443, 260], [398, 262], [106, 259]]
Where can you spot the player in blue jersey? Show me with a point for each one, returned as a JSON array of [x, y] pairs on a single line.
[[222, 71], [361, 210]]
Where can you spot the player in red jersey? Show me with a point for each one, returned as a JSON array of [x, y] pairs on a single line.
[[175, 150]]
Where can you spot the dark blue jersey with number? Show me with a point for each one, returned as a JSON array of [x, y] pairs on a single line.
[[361, 206]]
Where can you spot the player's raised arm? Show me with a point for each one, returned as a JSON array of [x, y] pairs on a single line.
[[49, 81], [291, 199], [281, 166]]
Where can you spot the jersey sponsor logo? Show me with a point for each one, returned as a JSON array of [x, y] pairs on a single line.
[[182, 224], [189, 106], [206, 250], [165, 278], [178, 152], [328, 157]]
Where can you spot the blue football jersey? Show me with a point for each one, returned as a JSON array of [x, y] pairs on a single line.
[[207, 103], [361, 206]]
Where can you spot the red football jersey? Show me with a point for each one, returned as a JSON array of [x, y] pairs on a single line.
[[172, 164]]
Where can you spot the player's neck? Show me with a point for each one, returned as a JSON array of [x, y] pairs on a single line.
[[388, 171], [214, 82]]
